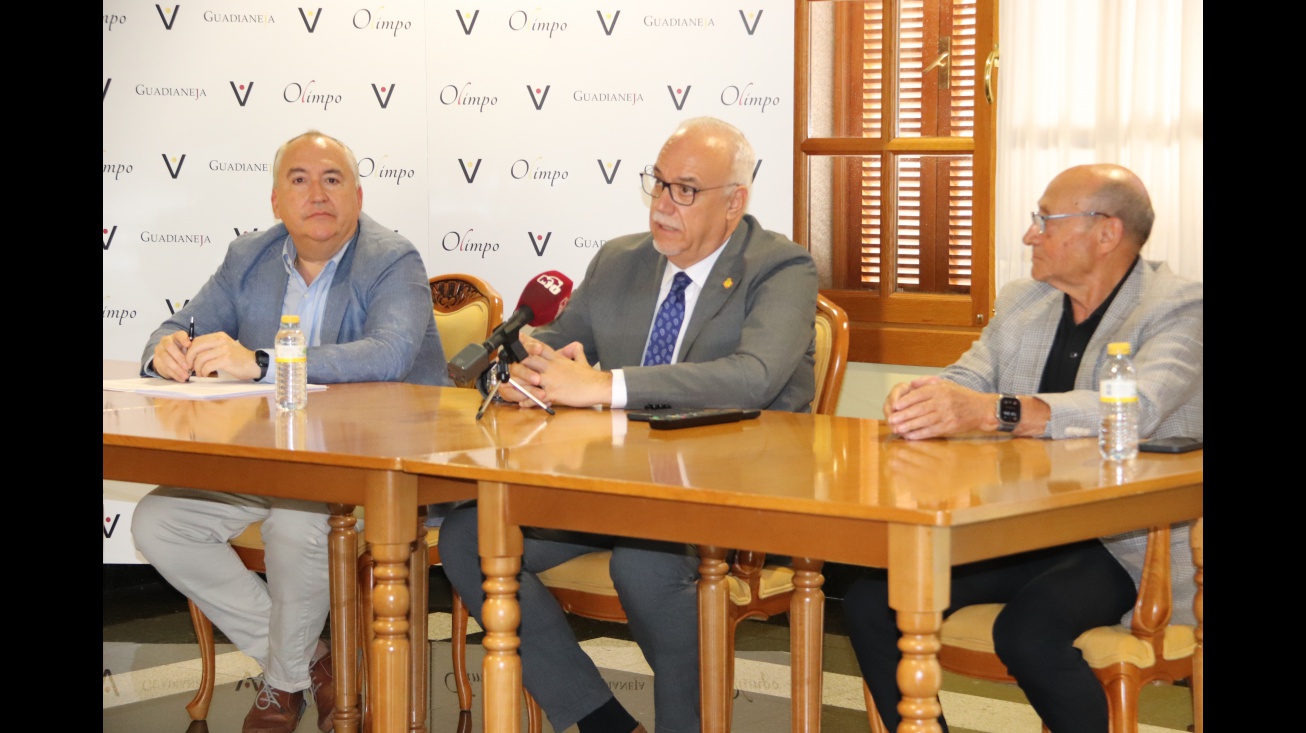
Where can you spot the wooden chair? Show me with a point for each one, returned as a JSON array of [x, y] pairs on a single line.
[[467, 309], [1151, 650], [757, 590]]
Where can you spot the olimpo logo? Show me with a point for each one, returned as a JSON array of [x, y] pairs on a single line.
[[746, 96], [364, 19], [305, 94], [751, 27], [520, 21], [461, 97], [168, 16], [367, 168], [455, 242], [608, 21]]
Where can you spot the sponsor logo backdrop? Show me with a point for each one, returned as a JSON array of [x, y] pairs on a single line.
[[503, 139]]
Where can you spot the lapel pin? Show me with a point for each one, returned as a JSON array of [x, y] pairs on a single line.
[[728, 283]]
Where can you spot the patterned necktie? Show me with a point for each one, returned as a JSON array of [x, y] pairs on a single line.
[[666, 325]]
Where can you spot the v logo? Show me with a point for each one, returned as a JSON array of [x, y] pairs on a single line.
[[544, 242], [680, 103], [255, 229], [111, 232], [756, 20], [757, 167], [470, 176], [236, 91], [383, 102], [167, 22], [173, 308], [607, 29], [467, 29], [107, 82], [108, 530], [180, 163], [317, 15], [604, 170], [539, 103]]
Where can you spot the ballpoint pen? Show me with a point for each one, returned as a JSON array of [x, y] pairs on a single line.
[[190, 332]]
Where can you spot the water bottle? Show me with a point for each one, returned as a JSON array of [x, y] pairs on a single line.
[[292, 365], [1118, 435]]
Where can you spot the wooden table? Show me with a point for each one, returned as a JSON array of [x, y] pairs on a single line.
[[837, 489], [345, 450]]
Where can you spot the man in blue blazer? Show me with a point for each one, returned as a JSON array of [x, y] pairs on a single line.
[[1034, 373], [363, 298], [738, 332]]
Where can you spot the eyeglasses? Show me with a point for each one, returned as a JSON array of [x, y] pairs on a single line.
[[681, 193], [1041, 220]]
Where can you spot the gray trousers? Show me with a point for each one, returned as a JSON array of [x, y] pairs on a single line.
[[184, 534], [657, 585]]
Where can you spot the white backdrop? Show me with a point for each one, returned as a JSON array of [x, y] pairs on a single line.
[[502, 139]]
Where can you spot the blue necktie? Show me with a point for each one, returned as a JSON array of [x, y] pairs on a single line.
[[666, 325]]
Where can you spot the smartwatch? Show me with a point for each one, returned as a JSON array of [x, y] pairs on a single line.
[[261, 358], [1008, 412]]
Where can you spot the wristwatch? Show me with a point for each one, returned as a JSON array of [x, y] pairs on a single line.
[[261, 358], [1008, 412]]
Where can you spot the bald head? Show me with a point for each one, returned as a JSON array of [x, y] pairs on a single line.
[[1115, 190], [720, 138]]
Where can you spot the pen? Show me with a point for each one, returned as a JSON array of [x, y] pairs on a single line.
[[190, 332]]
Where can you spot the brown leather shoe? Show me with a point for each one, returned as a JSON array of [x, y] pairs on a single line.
[[324, 692], [274, 711]]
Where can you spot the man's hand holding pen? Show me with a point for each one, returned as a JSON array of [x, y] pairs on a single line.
[[178, 355]]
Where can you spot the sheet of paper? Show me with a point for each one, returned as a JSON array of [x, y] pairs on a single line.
[[198, 388]]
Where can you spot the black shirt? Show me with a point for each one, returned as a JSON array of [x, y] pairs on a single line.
[[1072, 338]]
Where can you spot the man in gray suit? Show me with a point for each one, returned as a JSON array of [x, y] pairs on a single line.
[[363, 299], [735, 306], [1034, 373]]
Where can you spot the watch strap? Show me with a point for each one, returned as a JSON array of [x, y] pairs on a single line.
[[261, 358]]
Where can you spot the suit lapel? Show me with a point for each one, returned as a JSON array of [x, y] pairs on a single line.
[[727, 275], [641, 294]]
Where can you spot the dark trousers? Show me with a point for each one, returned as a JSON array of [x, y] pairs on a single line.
[[1052, 596]]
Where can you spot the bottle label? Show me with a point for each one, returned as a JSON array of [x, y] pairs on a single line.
[[292, 352], [1114, 390]]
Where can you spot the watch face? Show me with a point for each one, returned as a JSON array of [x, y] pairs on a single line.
[[1009, 410]]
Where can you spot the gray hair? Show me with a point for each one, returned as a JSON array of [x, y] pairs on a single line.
[[349, 154], [742, 160]]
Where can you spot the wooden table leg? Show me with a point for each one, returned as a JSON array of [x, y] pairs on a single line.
[[342, 551], [919, 581], [713, 682], [1195, 538], [806, 636], [501, 551], [418, 690], [391, 523]]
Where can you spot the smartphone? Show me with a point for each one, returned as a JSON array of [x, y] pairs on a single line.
[[694, 418], [1173, 444]]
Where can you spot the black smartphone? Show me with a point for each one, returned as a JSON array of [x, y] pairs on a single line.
[[694, 418], [1173, 444]]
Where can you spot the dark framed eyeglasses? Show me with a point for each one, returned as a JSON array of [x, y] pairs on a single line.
[[1040, 221], [681, 193]]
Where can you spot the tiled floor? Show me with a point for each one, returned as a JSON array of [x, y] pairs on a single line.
[[151, 672]]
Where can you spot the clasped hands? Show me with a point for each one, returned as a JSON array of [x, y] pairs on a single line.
[[177, 356], [557, 377], [932, 407]]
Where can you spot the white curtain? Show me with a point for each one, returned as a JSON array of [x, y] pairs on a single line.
[[1101, 81]]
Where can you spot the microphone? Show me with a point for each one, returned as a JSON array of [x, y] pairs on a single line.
[[543, 299]]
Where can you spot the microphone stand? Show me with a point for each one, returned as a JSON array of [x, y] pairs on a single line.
[[511, 352]]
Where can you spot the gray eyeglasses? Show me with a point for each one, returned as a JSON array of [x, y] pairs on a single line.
[[1041, 220]]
